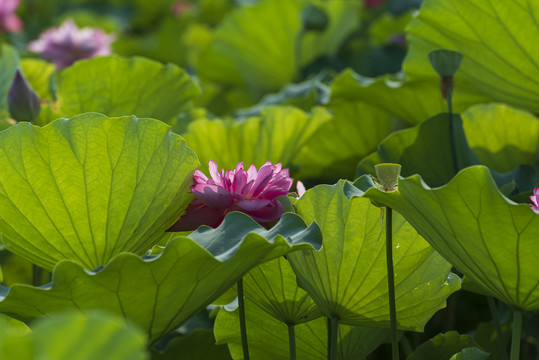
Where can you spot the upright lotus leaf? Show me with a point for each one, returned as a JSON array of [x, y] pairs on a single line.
[[117, 86], [424, 149], [200, 344], [260, 39], [511, 138], [66, 335], [444, 346], [268, 337], [38, 73], [412, 100], [160, 292], [277, 135], [471, 353], [337, 145], [90, 187], [9, 60], [489, 238], [499, 60], [348, 278], [273, 287]]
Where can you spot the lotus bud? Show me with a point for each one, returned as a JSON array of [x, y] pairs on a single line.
[[388, 176], [23, 102], [445, 63], [314, 18]]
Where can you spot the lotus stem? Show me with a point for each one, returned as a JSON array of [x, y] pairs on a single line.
[[243, 326], [292, 341], [496, 319], [333, 333], [517, 333], [36, 275], [391, 283], [449, 100]]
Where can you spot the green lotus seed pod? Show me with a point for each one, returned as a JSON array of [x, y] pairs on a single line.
[[388, 175], [445, 62], [314, 18]]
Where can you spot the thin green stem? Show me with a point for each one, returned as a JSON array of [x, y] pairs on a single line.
[[243, 326], [292, 341], [449, 100], [517, 333], [298, 52], [496, 319], [36, 275], [333, 333], [391, 283]]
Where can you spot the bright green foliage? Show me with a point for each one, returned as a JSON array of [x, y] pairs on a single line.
[[489, 238], [37, 73], [500, 61], [424, 149], [161, 292], [75, 336], [117, 86], [348, 277], [263, 51], [337, 145], [276, 135], [90, 187], [502, 137], [273, 287], [444, 346], [200, 344], [411, 100], [9, 60], [268, 338]]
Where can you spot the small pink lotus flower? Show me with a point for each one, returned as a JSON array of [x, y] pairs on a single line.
[[251, 192], [67, 44], [535, 199], [8, 20], [373, 4]]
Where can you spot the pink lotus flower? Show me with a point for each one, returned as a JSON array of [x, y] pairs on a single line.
[[8, 20], [67, 44], [251, 192], [535, 199]]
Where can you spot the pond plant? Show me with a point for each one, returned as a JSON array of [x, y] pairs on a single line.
[[149, 151]]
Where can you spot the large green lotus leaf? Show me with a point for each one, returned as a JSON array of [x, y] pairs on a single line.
[[9, 60], [117, 86], [489, 238], [273, 287], [337, 145], [268, 337], [424, 149], [502, 137], [200, 344], [278, 134], [260, 39], [90, 187], [412, 101], [160, 292], [443, 347], [471, 353], [38, 73], [348, 277], [500, 61], [65, 336]]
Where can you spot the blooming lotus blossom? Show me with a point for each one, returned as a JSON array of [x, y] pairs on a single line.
[[67, 44], [535, 199], [249, 191], [8, 20]]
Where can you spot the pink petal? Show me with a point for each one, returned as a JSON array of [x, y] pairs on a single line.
[[272, 212], [198, 214], [213, 195], [253, 204]]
